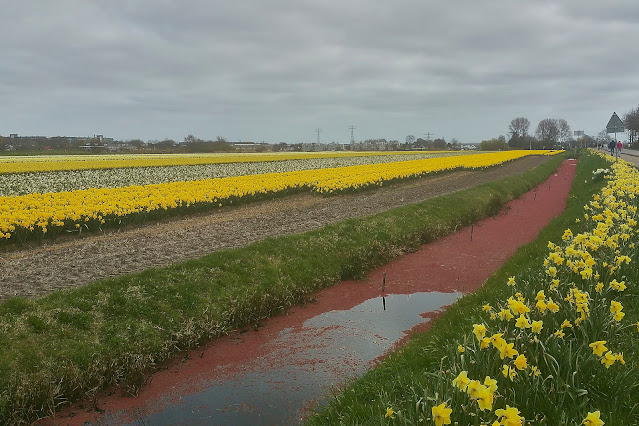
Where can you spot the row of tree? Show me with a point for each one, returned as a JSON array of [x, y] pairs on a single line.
[[550, 133], [191, 144], [438, 144]]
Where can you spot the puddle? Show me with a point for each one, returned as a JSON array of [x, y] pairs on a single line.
[[300, 366]]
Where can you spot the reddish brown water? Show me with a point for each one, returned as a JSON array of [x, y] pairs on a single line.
[[276, 374]]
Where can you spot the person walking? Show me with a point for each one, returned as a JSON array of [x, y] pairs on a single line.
[[611, 147], [619, 146]]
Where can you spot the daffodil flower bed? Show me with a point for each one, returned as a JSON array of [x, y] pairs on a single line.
[[556, 343], [35, 215], [145, 173], [550, 339], [51, 163]]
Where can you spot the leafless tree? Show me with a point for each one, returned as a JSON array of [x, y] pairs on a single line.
[[564, 130], [519, 127], [550, 131]]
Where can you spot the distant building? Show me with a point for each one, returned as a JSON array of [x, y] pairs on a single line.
[[245, 146], [252, 146]]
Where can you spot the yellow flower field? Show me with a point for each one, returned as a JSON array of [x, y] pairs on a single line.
[[49, 163], [73, 180], [41, 213], [559, 325]]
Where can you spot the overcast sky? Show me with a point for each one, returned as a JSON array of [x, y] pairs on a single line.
[[276, 70]]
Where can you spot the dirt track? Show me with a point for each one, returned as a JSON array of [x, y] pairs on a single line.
[[35, 271]]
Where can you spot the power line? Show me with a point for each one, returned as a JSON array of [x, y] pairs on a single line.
[[352, 137], [318, 130], [428, 135]]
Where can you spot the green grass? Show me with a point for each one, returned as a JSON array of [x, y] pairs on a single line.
[[72, 343], [421, 370]]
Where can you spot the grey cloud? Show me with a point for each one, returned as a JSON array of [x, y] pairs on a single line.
[[210, 67]]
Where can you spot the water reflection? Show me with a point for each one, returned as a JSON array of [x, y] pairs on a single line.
[[302, 365]]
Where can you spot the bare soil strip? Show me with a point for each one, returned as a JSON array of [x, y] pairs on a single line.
[[34, 271]]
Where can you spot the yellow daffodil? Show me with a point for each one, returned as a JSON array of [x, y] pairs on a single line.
[[566, 324], [389, 413], [509, 416], [484, 398], [507, 350], [498, 341], [599, 347], [473, 388], [593, 419], [522, 322], [608, 359], [541, 305], [615, 306], [480, 331], [521, 362], [441, 414], [536, 326], [462, 381], [552, 306], [505, 314], [619, 286], [491, 383], [567, 235], [534, 371], [485, 342], [508, 372]]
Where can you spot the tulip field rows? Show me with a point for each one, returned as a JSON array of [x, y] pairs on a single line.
[[553, 344], [36, 215]]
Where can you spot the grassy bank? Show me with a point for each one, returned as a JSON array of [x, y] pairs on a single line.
[[573, 382], [70, 344]]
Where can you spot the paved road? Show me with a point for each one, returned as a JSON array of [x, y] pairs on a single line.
[[631, 155]]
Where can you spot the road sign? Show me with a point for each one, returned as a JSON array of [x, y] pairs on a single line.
[[615, 125]]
